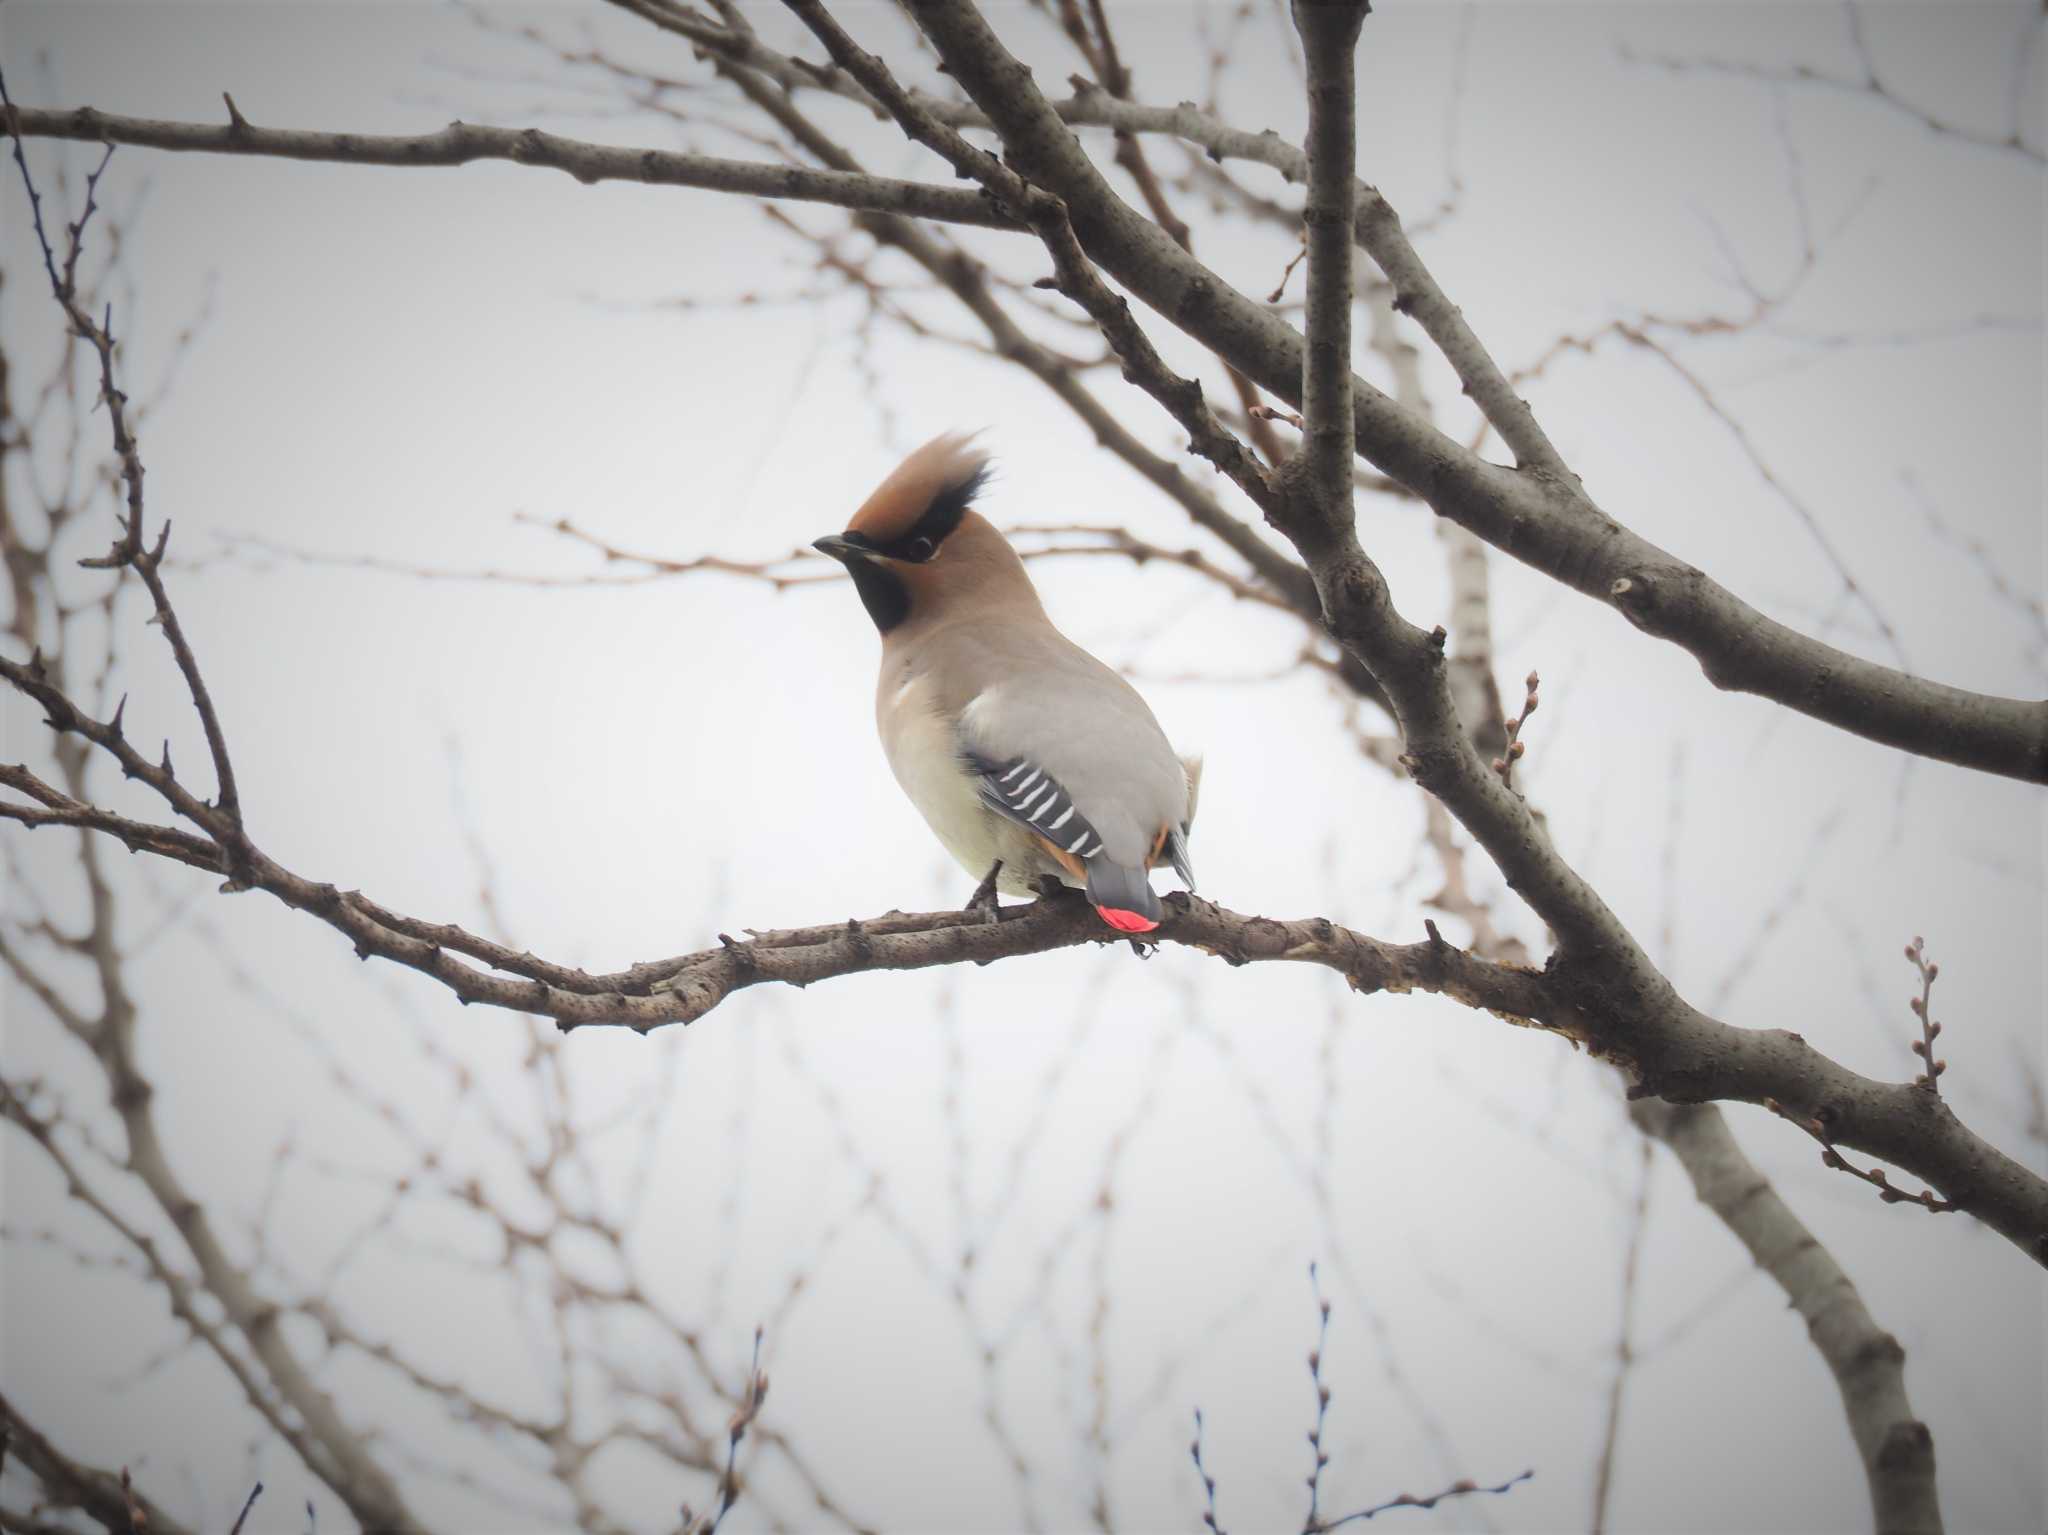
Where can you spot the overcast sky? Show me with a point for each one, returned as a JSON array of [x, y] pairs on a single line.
[[403, 367]]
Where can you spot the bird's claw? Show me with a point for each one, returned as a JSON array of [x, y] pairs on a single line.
[[984, 898]]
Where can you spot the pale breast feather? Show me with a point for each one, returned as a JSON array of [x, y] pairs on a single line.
[[923, 753]]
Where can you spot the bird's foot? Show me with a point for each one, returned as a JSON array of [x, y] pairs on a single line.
[[984, 898]]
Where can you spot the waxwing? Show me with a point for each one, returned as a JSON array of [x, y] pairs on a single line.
[[1013, 743]]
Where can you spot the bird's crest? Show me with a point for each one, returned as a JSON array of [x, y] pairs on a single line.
[[926, 495]]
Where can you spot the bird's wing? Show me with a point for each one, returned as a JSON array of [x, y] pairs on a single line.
[[1026, 793], [1024, 693]]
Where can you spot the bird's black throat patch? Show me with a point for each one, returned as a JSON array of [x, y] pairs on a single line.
[[882, 592]]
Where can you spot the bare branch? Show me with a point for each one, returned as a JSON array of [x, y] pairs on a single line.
[[1817, 1126], [1319, 1457], [466, 143], [1101, 52], [1868, 84], [1916, 951], [1208, 1482], [1075, 274], [60, 809], [742, 1419], [128, 551], [1867, 1363], [1504, 764], [1457, 1489], [1321, 473], [107, 1498], [1625, 1354]]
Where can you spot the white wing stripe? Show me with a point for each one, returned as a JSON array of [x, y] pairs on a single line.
[[1026, 793]]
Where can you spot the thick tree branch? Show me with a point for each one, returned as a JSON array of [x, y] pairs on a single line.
[[1868, 1365], [1319, 477]]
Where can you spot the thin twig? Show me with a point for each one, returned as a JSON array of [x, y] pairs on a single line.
[[743, 1416], [1313, 1521], [1916, 951], [1208, 1481], [1816, 1126], [256, 1491], [1457, 1489], [1504, 764]]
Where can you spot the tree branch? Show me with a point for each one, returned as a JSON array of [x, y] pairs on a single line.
[[1866, 1361], [467, 143], [1320, 475], [104, 1497]]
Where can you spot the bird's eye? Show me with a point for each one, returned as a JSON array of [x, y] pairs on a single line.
[[922, 549]]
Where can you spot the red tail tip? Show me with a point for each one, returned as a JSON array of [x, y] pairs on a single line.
[[1126, 921]]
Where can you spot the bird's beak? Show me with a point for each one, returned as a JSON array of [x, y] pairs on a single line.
[[840, 549]]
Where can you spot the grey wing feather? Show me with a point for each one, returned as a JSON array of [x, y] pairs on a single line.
[[1025, 692], [1024, 792]]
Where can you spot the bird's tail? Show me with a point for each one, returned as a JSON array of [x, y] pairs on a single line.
[[1123, 897]]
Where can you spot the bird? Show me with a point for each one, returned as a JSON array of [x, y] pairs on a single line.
[[1028, 758]]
